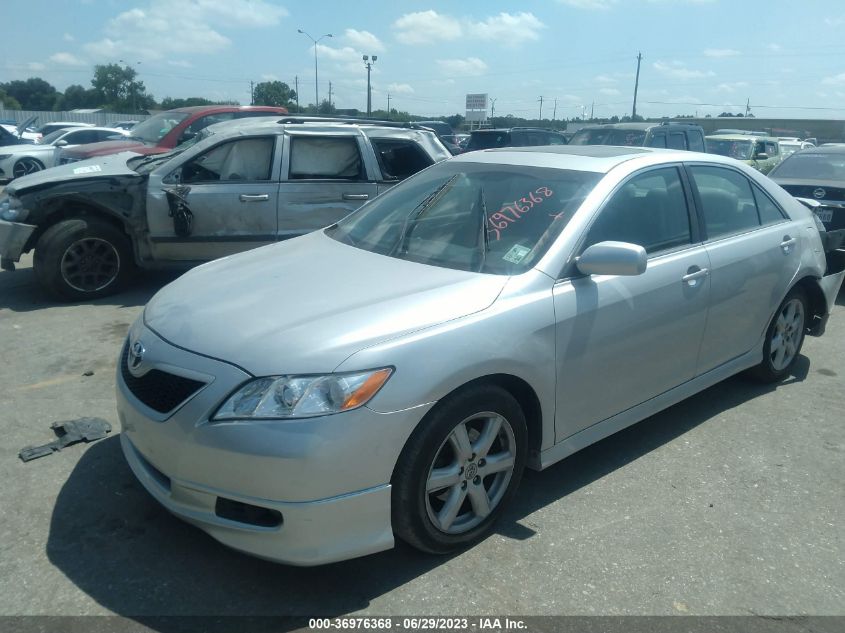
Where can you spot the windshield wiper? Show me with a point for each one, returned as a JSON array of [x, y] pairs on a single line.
[[485, 235], [429, 201]]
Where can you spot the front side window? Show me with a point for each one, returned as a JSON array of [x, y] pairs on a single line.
[[771, 148], [740, 150], [80, 137], [470, 216], [677, 141], [727, 202], [658, 140], [399, 158], [242, 160], [649, 210], [325, 158], [696, 141]]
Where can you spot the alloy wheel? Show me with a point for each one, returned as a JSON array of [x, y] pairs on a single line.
[[787, 333], [25, 166], [90, 264], [470, 473]]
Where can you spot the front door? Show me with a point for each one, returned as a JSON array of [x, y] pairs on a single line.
[[623, 340], [219, 202], [325, 179]]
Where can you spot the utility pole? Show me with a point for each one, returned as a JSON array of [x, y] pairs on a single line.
[[554, 111], [592, 109], [251, 93], [636, 85], [330, 95], [369, 65], [541, 107], [388, 106], [317, 41], [296, 83], [492, 109], [747, 106]]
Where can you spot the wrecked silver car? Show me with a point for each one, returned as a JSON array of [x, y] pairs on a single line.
[[241, 185]]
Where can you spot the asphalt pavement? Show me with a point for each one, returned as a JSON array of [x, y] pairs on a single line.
[[731, 503]]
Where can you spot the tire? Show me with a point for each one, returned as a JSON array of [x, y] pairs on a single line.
[[26, 166], [81, 259], [420, 512], [784, 338]]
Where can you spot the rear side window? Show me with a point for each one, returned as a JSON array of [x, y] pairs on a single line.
[[488, 140], [727, 201], [677, 140], [649, 210], [399, 159], [696, 141], [325, 158], [769, 212]]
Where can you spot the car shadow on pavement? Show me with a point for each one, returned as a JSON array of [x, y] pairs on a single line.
[[20, 291], [110, 538]]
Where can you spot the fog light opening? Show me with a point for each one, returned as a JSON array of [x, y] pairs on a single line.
[[247, 513]]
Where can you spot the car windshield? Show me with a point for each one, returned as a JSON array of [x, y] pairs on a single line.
[[156, 127], [470, 216], [741, 150], [145, 164], [812, 166], [609, 136]]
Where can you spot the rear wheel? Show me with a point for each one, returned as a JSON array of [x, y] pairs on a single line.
[[82, 258], [26, 166], [459, 470], [784, 338]]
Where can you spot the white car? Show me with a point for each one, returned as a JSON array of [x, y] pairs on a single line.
[[20, 160]]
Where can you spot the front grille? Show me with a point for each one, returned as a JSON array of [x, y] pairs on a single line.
[[160, 390]]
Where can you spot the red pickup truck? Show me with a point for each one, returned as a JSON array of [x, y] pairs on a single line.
[[165, 130]]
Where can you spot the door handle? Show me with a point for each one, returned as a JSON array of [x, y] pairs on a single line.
[[787, 242], [258, 197], [356, 196], [693, 276]]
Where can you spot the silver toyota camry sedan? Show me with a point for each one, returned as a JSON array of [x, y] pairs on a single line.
[[393, 374]]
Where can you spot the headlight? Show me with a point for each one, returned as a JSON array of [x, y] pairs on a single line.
[[302, 396], [11, 209]]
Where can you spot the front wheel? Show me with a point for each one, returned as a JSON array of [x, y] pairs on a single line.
[[26, 166], [459, 470], [784, 338], [82, 259]]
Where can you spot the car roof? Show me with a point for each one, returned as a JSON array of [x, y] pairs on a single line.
[[511, 129], [595, 158], [271, 125], [742, 137], [227, 108]]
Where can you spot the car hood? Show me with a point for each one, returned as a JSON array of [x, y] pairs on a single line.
[[105, 167], [104, 148], [308, 304]]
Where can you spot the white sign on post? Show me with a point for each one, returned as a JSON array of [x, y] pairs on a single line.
[[476, 107]]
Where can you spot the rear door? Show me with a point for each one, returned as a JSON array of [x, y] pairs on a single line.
[[325, 177], [216, 203], [754, 255]]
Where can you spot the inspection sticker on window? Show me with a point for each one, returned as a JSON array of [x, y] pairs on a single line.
[[89, 169], [516, 254]]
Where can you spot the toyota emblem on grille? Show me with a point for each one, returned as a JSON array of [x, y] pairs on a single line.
[[819, 193], [136, 354]]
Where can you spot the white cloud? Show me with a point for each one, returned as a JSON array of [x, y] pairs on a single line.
[[508, 29], [155, 31], [269, 77], [774, 47], [179, 63], [834, 80], [424, 27], [405, 89], [468, 66], [678, 70], [721, 52], [67, 37], [35, 66], [589, 4], [363, 40], [610, 92], [731, 86], [604, 79], [66, 59], [834, 21]]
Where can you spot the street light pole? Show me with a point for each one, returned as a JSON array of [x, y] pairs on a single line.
[[317, 41], [369, 66]]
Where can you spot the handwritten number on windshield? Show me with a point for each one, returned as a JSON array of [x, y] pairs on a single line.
[[512, 212]]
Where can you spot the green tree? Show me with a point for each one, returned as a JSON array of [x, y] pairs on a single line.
[[455, 121], [273, 93], [326, 107], [9, 103], [168, 103], [32, 94], [76, 96], [119, 89]]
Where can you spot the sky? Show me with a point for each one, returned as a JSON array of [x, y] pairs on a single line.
[[786, 59]]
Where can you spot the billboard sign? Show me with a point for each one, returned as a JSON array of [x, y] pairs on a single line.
[[477, 102]]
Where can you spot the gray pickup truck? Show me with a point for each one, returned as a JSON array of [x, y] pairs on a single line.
[[238, 186]]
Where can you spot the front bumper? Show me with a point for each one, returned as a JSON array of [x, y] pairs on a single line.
[[13, 239], [326, 478]]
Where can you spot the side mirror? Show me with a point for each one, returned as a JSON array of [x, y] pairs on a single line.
[[613, 258], [61, 143], [761, 156]]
